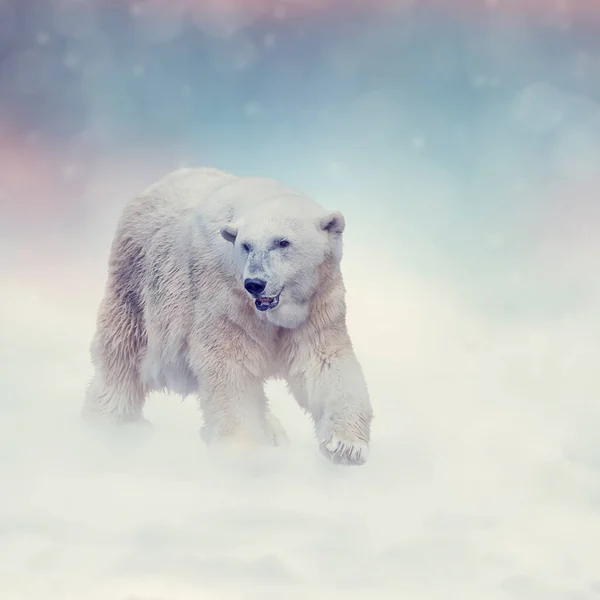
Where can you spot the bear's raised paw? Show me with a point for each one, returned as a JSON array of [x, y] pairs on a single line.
[[343, 452]]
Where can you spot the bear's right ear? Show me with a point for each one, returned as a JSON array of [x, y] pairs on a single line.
[[229, 232]]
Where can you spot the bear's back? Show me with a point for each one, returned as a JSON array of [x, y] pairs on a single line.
[[167, 206]]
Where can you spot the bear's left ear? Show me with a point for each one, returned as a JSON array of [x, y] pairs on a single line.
[[333, 222], [229, 232]]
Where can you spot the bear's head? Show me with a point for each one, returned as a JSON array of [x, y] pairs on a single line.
[[284, 250]]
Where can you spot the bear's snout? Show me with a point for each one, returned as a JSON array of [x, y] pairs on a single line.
[[255, 286]]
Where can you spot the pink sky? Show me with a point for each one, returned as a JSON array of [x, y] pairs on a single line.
[[579, 10]]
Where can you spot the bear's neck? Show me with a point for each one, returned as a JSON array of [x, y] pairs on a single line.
[[328, 304]]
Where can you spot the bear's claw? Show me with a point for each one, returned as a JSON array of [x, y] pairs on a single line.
[[343, 452]]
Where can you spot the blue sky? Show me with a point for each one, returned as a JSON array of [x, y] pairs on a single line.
[[441, 133]]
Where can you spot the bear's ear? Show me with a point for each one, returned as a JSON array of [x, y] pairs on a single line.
[[333, 222], [229, 232]]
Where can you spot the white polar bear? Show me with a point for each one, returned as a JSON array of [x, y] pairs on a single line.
[[217, 283]]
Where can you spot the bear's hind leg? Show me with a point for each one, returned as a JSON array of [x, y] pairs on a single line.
[[117, 400], [117, 393]]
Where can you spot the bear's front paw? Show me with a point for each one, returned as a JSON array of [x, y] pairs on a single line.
[[345, 452], [344, 439]]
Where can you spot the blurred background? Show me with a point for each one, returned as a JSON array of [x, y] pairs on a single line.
[[469, 128], [461, 138]]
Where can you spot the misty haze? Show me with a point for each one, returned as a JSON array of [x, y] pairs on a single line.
[[461, 140]]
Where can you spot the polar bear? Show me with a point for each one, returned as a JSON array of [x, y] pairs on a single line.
[[217, 283]]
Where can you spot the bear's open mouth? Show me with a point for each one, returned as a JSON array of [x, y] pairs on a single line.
[[266, 302]]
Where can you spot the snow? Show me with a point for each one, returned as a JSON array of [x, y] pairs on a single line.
[[483, 482]]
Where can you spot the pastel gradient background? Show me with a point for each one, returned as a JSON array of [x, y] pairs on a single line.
[[461, 138]]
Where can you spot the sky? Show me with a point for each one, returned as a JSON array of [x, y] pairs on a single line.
[[461, 140]]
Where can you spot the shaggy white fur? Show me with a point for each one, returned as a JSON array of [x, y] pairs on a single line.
[[217, 283]]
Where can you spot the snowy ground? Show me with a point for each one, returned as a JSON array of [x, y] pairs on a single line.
[[484, 480]]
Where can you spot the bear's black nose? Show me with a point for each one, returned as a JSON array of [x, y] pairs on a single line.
[[255, 286]]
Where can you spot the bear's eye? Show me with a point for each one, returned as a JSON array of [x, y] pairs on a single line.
[[246, 247], [283, 244]]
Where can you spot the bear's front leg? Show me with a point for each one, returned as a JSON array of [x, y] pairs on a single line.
[[334, 391], [231, 377], [236, 412]]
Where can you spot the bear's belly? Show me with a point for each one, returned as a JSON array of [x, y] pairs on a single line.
[[169, 374]]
